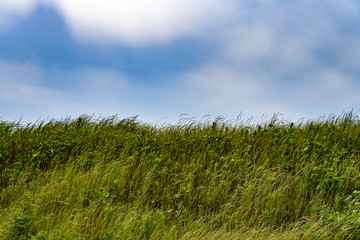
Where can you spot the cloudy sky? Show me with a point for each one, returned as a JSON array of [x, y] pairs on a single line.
[[159, 59]]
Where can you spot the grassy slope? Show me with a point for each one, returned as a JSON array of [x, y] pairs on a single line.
[[110, 179]]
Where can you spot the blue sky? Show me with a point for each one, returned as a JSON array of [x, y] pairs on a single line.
[[159, 59]]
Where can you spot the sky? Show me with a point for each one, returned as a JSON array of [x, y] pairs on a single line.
[[159, 59]]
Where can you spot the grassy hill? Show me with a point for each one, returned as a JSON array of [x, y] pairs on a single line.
[[121, 179]]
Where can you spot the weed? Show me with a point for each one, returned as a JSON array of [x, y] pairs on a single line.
[[120, 179]]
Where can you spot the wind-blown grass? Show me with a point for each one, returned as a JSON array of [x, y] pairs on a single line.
[[120, 179]]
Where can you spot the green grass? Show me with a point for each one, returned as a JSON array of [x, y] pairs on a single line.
[[121, 179]]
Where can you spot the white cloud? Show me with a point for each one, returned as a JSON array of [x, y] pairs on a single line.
[[21, 93], [135, 22], [140, 22], [287, 34], [228, 90], [334, 80], [288, 57], [27, 92], [222, 90], [16, 6], [10, 9]]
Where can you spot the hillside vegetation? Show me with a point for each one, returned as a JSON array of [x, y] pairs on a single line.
[[106, 178]]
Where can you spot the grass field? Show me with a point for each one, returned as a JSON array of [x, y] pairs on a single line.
[[106, 178]]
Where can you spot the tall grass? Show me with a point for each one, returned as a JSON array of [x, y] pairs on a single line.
[[106, 178]]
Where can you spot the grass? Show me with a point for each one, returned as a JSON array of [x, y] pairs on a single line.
[[106, 178]]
